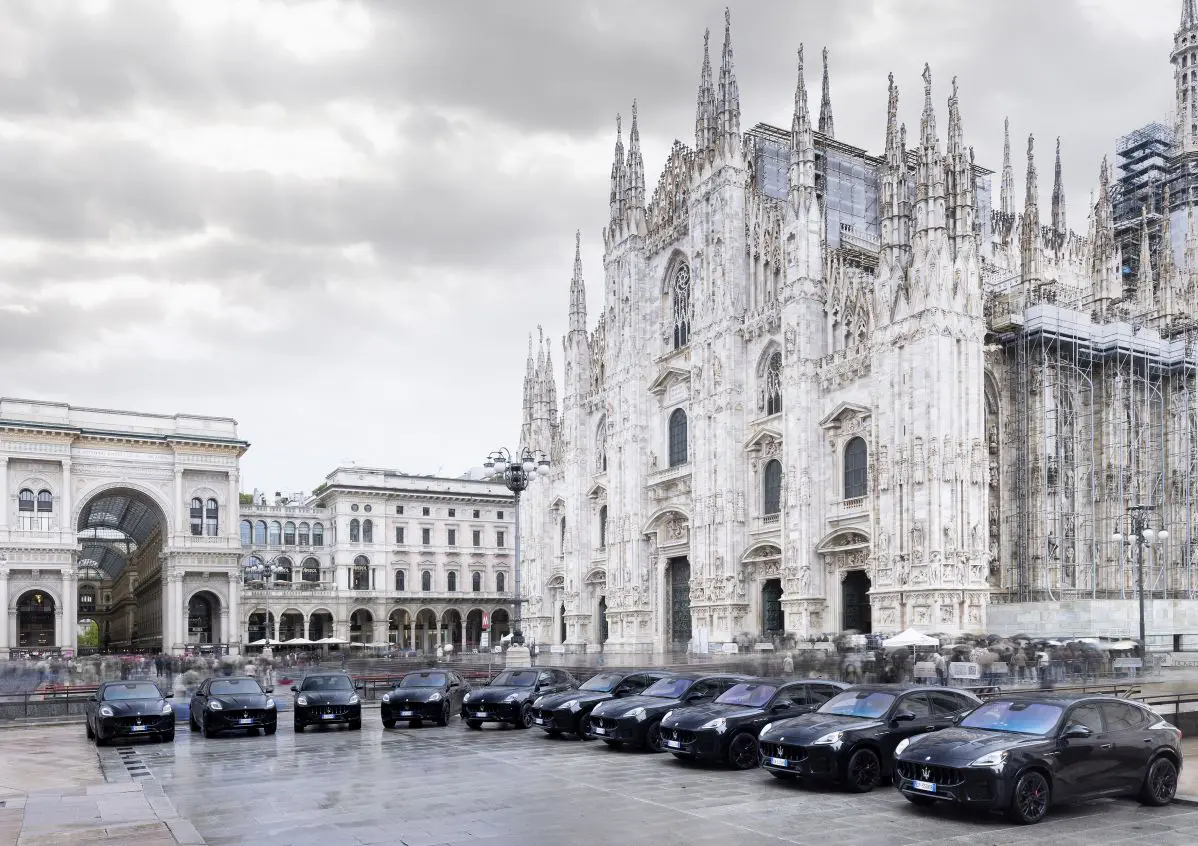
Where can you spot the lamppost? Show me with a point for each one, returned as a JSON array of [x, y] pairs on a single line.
[[1137, 517], [257, 568], [517, 472]]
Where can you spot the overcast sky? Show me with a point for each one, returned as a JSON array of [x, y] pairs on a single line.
[[337, 221]]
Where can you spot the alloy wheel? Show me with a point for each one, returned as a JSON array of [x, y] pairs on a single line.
[[653, 737], [864, 771], [742, 754], [1162, 781], [525, 716], [1031, 798]]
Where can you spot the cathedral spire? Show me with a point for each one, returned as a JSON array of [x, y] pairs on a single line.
[[893, 199], [1189, 14], [959, 173], [729, 94], [1058, 195], [1183, 58], [617, 175], [1145, 302], [895, 155], [825, 107], [705, 117], [634, 186], [1007, 194], [1105, 261], [1029, 240], [578, 291], [802, 146], [927, 124]]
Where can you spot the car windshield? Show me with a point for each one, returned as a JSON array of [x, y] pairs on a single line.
[[668, 688], [142, 690], [327, 683], [515, 678], [227, 687], [753, 695], [602, 683], [1018, 717], [423, 680], [868, 704]]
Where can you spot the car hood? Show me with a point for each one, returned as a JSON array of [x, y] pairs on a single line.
[[326, 697], [415, 694], [136, 707], [617, 708], [553, 701], [806, 728], [497, 694], [959, 747], [696, 715], [240, 700]]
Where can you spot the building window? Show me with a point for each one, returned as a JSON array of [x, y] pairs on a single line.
[[310, 570], [452, 579], [318, 534], [681, 295], [399, 534], [247, 532], [772, 483], [25, 501], [260, 533], [426, 581], [367, 531], [477, 514], [603, 527], [426, 536], [355, 531], [677, 437], [360, 575], [275, 537], [773, 384], [366, 508], [211, 518], [305, 534], [498, 515], [197, 516], [499, 539], [477, 537], [601, 447], [399, 579], [45, 502], [453, 512], [855, 469], [282, 569], [289, 534], [354, 507], [476, 581], [399, 509], [425, 511], [499, 582], [452, 537]]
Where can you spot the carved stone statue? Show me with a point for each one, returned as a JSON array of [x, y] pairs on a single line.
[[917, 538]]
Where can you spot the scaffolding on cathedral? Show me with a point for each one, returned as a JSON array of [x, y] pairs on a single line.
[[1102, 416]]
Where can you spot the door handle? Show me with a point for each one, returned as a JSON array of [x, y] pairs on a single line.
[[1148, 740], [1107, 746], [929, 728]]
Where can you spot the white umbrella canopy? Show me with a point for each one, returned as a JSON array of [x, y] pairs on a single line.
[[332, 640], [357, 645], [378, 645], [265, 642], [298, 641], [909, 638]]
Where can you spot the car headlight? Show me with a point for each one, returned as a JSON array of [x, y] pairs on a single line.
[[832, 738], [765, 728], [386, 697], [637, 714], [167, 710], [574, 705], [355, 700], [902, 744], [992, 759], [719, 724], [539, 702], [270, 703], [105, 711], [215, 706], [510, 698], [436, 697], [301, 701]]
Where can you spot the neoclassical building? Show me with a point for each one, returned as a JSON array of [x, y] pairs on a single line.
[[135, 522], [831, 389]]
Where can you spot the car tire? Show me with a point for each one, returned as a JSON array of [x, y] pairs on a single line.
[[299, 727], [553, 732], [101, 741], [269, 730], [653, 737], [614, 744], [474, 724], [581, 729], [355, 725], [1029, 798], [443, 719], [920, 801], [167, 737], [91, 735], [863, 772], [388, 724], [191, 722], [783, 776], [1160, 783], [525, 716], [209, 732], [742, 752]]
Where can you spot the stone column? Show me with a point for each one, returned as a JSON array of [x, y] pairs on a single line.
[[70, 603], [5, 614], [180, 511], [65, 523], [58, 633], [4, 506], [233, 509], [235, 633]]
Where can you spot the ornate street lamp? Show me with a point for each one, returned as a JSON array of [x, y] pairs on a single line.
[[517, 473], [1140, 534]]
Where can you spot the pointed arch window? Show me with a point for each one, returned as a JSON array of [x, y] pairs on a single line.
[[500, 582], [603, 527], [677, 439], [367, 531], [426, 581], [318, 534], [275, 538], [211, 518], [562, 537], [453, 581], [855, 479], [305, 534], [197, 516], [773, 384], [355, 531], [260, 533], [680, 295], [400, 579], [601, 447], [476, 581], [772, 484]]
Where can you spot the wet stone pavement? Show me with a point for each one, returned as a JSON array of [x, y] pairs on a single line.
[[502, 786]]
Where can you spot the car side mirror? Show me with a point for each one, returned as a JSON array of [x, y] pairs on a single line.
[[781, 706], [92, 698], [270, 688], [359, 687], [904, 717], [695, 697], [294, 689], [1078, 731], [168, 695]]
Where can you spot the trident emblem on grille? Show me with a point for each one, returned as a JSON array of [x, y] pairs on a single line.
[[927, 773]]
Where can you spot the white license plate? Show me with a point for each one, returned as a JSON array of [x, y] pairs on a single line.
[[481, 714], [779, 762], [925, 786], [598, 730], [539, 721], [407, 713], [674, 744], [245, 721], [328, 716], [140, 728]]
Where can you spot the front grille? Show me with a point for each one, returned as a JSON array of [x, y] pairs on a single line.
[[604, 722], [681, 735], [942, 776], [797, 754], [338, 710], [129, 722]]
